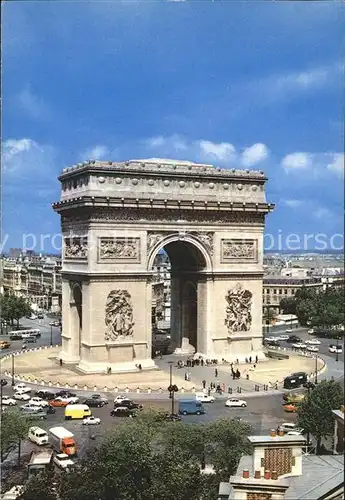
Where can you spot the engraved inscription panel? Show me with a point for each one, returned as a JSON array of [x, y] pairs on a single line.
[[119, 249], [238, 250]]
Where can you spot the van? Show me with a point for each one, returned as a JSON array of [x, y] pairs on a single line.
[[73, 412], [191, 407], [38, 436], [295, 380]]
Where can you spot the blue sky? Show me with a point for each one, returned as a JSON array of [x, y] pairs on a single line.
[[236, 84]]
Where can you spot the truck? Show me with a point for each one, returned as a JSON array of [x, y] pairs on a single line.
[[40, 461], [191, 407], [73, 412], [62, 441]]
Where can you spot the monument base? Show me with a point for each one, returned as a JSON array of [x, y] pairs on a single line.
[[185, 349], [126, 367], [67, 359]]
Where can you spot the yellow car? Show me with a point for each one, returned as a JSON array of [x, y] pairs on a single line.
[[4, 344], [290, 408]]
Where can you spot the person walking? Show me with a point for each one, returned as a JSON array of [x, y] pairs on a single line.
[[250, 359], [216, 373], [256, 359], [203, 384]]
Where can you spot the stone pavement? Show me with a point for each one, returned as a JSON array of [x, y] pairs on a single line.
[[42, 365]]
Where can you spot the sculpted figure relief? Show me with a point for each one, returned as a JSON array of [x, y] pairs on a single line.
[[237, 249], [119, 248], [238, 316], [118, 315], [75, 248], [154, 238], [206, 238]]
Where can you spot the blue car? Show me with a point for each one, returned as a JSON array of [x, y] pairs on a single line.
[[191, 407]]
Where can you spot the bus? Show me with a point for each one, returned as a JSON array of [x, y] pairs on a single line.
[[24, 334]]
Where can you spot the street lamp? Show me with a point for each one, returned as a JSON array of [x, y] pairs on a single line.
[[12, 373], [51, 335], [316, 357], [172, 388], [337, 353]]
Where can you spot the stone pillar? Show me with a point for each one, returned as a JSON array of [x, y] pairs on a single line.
[[175, 312], [70, 352]]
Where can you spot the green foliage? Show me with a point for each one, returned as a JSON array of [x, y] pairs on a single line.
[[14, 428], [315, 411], [320, 309], [41, 487], [288, 305], [148, 458], [13, 308]]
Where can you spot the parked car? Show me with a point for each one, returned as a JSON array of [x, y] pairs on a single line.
[[290, 407], [311, 331], [3, 382], [129, 404], [313, 342], [335, 349], [50, 410], [91, 420], [30, 407], [94, 403], [100, 398], [299, 345], [288, 330], [287, 427], [21, 396], [63, 461], [123, 411], [283, 337], [296, 432], [65, 393], [47, 395], [54, 323], [60, 401], [8, 401], [4, 344], [294, 338], [119, 399], [236, 403], [21, 388], [16, 336], [38, 415]]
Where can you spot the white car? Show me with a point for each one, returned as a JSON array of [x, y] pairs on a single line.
[[63, 461], [204, 398], [236, 403], [21, 396], [287, 427], [311, 331], [295, 432], [335, 349], [313, 342], [283, 337], [270, 339], [39, 402], [119, 399], [289, 330], [312, 348], [7, 400], [30, 407], [21, 388], [70, 400], [91, 421], [299, 345]]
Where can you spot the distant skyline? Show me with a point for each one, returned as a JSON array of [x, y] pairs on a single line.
[[255, 85]]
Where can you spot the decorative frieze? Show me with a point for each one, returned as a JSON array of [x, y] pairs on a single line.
[[206, 238], [238, 317], [239, 250], [118, 315], [75, 248], [153, 238], [119, 249]]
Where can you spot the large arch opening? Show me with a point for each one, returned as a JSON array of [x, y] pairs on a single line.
[[77, 313], [175, 293]]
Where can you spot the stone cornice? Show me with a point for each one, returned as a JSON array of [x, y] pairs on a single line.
[[151, 204], [148, 275], [144, 168]]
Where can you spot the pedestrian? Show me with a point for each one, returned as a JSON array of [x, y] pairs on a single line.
[[203, 384], [250, 359], [209, 391], [237, 362], [238, 373], [140, 367], [202, 362], [216, 373], [60, 362], [256, 359], [246, 360], [185, 376]]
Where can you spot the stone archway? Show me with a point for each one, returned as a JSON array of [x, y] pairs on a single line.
[[117, 216], [77, 313]]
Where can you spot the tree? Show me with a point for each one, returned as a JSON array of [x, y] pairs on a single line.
[[42, 486], [14, 428], [288, 305], [13, 308], [315, 411], [323, 309]]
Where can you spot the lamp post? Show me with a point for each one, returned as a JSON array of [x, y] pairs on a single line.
[[12, 373], [51, 335], [337, 354], [316, 369], [172, 388]]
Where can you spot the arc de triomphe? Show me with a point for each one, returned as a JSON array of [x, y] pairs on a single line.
[[116, 217]]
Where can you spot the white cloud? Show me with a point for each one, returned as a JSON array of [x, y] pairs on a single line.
[[336, 165], [297, 161], [254, 154], [98, 152], [222, 151], [32, 105], [293, 203], [323, 213]]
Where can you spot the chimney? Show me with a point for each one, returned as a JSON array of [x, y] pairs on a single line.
[[257, 474], [273, 433], [245, 474], [281, 433], [267, 474], [274, 475]]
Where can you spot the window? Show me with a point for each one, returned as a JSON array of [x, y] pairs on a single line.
[[268, 290], [292, 292], [285, 291], [280, 291], [275, 290]]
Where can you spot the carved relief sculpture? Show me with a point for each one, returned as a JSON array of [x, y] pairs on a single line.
[[119, 249], [154, 238], [118, 315], [75, 248], [238, 250], [206, 238], [238, 316]]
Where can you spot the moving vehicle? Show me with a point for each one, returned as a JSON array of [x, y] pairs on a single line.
[[312, 348], [94, 403], [295, 380], [123, 411], [91, 421], [313, 342], [290, 407], [22, 388], [40, 316], [61, 401], [4, 344], [73, 412], [294, 338], [236, 403], [16, 336], [99, 398], [299, 345], [311, 331], [204, 398], [39, 461], [295, 432], [129, 404], [3, 382], [191, 407], [288, 330], [8, 401], [21, 396], [292, 397], [283, 337], [62, 440], [38, 436], [287, 427], [24, 334], [30, 408], [63, 461], [39, 402], [54, 323], [335, 349], [47, 395], [37, 415], [119, 399]]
